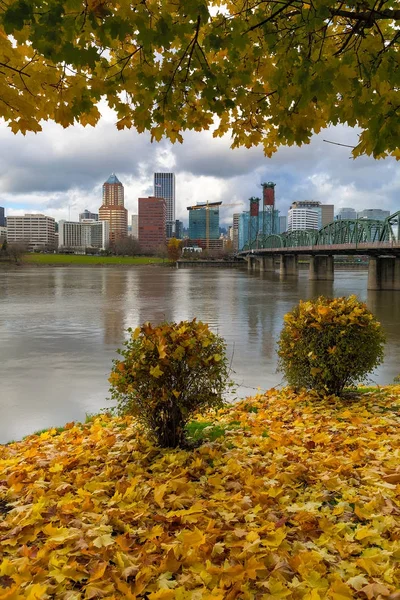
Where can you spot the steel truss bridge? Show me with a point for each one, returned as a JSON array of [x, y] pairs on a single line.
[[338, 233], [380, 240]]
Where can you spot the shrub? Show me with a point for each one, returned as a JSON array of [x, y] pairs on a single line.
[[328, 344], [168, 373]]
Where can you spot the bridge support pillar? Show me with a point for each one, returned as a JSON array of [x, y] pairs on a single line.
[[321, 268], [251, 262], [384, 273], [267, 263], [288, 264]]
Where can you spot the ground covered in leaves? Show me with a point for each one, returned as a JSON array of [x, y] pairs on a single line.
[[297, 498]]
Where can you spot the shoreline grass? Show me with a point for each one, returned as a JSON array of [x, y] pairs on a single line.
[[78, 259], [289, 496]]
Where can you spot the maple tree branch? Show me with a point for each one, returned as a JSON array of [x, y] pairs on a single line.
[[196, 35], [338, 144], [19, 71]]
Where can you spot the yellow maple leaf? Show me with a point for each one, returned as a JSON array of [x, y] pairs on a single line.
[[340, 591], [156, 371], [102, 541], [193, 538]]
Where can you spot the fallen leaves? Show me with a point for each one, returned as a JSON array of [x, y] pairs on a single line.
[[299, 500]]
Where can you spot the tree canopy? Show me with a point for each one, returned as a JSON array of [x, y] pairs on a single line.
[[269, 72]]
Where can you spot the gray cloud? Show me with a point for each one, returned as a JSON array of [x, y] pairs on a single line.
[[60, 172]]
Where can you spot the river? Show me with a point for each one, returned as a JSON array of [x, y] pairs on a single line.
[[60, 327]]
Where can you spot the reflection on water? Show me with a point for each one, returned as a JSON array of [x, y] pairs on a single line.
[[60, 327]]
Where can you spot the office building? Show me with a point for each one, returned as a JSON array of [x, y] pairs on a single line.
[[35, 230], [303, 218], [3, 234], [88, 233], [203, 219], [178, 230], [2, 217], [170, 229], [325, 214], [86, 214], [235, 231], [243, 229], [112, 210], [374, 213], [282, 224], [135, 227], [152, 223], [325, 211], [346, 214], [164, 187]]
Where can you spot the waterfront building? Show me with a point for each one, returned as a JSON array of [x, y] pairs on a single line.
[[36, 230], [235, 231], [164, 187], [282, 224], [346, 214], [2, 217], [374, 213], [112, 210], [303, 218], [86, 214], [170, 229], [178, 230], [88, 233], [135, 226], [325, 212], [199, 216], [243, 229], [152, 223]]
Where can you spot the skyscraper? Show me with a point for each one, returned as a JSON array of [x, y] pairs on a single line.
[[152, 217], [164, 187], [2, 217], [86, 214], [203, 217], [112, 209]]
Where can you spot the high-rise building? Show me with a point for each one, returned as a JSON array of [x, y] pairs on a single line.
[[36, 230], [2, 217], [164, 187], [324, 211], [303, 218], [88, 233], [152, 223], [204, 217], [235, 231], [135, 226], [178, 230], [112, 210], [3, 234], [346, 213], [374, 213], [243, 229], [86, 214], [282, 224]]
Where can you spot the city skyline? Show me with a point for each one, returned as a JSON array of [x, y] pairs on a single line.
[[66, 175]]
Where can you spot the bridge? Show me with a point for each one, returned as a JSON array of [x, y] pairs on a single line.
[[379, 240]]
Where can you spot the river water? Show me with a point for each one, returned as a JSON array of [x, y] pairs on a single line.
[[60, 327]]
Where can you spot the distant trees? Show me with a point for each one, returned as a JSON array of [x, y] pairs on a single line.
[[174, 249], [127, 246], [13, 251]]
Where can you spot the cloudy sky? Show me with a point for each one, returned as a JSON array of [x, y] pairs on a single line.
[[60, 172]]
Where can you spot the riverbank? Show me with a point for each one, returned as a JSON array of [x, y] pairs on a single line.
[[70, 260], [288, 496]]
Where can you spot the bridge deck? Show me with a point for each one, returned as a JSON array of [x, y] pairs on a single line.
[[364, 248]]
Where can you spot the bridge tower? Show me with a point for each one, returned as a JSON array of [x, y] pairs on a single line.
[[254, 222], [269, 216]]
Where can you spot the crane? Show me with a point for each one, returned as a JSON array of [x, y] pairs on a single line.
[[207, 206]]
